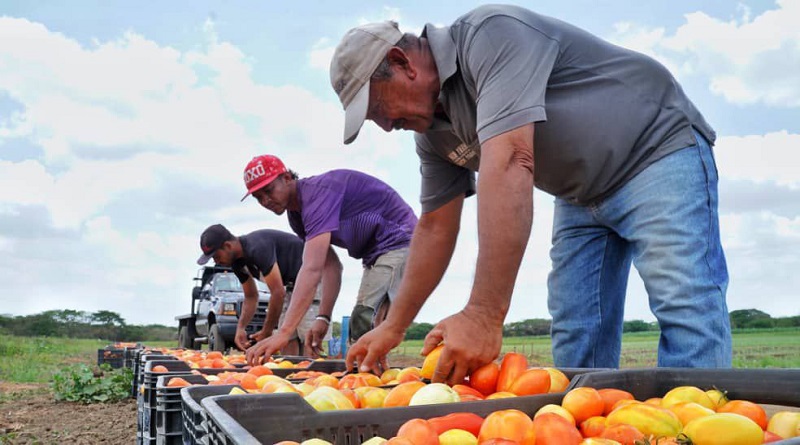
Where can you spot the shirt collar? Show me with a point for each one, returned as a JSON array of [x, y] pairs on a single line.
[[443, 49]]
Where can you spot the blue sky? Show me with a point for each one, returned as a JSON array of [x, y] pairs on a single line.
[[125, 126]]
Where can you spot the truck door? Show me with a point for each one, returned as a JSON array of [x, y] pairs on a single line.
[[203, 308]]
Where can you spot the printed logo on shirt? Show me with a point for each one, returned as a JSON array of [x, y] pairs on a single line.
[[462, 154]]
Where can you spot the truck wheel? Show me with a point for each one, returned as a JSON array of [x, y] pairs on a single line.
[[185, 340], [215, 340]]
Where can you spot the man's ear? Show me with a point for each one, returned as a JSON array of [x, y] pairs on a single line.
[[399, 59]]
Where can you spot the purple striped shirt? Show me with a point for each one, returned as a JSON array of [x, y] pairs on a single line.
[[363, 214]]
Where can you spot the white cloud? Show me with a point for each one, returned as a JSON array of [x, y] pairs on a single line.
[[759, 158], [747, 60]]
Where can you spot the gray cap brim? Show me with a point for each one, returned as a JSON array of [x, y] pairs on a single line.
[[356, 113], [204, 259]]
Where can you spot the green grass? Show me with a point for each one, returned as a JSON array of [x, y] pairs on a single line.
[[35, 360], [754, 348]]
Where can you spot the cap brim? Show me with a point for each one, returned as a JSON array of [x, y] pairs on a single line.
[[204, 259], [260, 184], [355, 113]]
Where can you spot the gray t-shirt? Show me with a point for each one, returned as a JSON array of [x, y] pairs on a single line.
[[603, 113]]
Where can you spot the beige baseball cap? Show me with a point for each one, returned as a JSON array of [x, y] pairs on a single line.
[[356, 57]]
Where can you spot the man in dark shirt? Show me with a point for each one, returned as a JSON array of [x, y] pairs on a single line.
[[274, 257]]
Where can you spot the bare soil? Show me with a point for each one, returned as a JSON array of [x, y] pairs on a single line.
[[30, 415]]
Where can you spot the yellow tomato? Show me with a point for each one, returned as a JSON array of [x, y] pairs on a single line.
[[724, 429], [784, 424], [649, 419]]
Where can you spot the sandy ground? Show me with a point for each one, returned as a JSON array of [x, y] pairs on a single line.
[[30, 415]]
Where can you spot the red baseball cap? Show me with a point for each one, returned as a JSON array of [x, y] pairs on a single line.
[[260, 171]]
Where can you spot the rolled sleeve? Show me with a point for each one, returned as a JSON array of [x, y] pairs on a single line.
[[441, 180], [510, 63]]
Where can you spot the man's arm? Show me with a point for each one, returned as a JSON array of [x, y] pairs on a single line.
[[331, 285], [249, 306], [432, 246], [277, 298], [505, 215], [314, 256]]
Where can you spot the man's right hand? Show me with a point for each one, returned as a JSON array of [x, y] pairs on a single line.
[[241, 340], [371, 349]]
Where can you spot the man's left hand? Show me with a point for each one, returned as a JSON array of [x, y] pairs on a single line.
[[263, 350], [464, 351], [315, 336]]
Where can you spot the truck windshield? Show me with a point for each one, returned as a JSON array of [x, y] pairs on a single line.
[[230, 283]]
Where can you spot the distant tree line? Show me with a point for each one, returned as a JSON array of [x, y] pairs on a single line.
[[740, 319], [106, 325]]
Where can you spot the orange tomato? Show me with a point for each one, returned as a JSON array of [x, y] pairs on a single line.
[[511, 367], [214, 355], [593, 426], [467, 393], [583, 403], [464, 421], [624, 434], [401, 394], [419, 432], [688, 411], [248, 381], [258, 371], [532, 381], [611, 396], [556, 409], [498, 441], [484, 379], [177, 382], [552, 429], [748, 409], [159, 368], [508, 424], [399, 441]]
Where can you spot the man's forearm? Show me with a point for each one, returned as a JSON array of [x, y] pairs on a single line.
[[249, 306], [276, 302], [331, 284], [431, 249], [505, 215]]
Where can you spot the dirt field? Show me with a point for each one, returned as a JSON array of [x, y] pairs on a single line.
[[33, 417]]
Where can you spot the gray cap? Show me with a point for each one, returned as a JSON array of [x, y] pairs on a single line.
[[356, 57]]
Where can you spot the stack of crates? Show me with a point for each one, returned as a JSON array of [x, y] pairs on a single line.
[[168, 413], [144, 388]]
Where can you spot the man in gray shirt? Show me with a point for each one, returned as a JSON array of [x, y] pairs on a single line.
[[616, 141]]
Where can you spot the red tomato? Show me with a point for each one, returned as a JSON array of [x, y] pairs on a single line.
[[511, 367], [464, 421]]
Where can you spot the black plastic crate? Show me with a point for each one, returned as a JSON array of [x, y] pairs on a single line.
[[169, 417], [770, 386], [194, 418], [111, 356], [143, 357], [767, 386], [270, 418]]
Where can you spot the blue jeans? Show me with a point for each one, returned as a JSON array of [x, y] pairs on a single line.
[[665, 221]]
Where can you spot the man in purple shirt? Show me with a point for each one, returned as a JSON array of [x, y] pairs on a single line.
[[343, 208]]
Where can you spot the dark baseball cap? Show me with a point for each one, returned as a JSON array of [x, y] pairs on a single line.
[[211, 240]]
